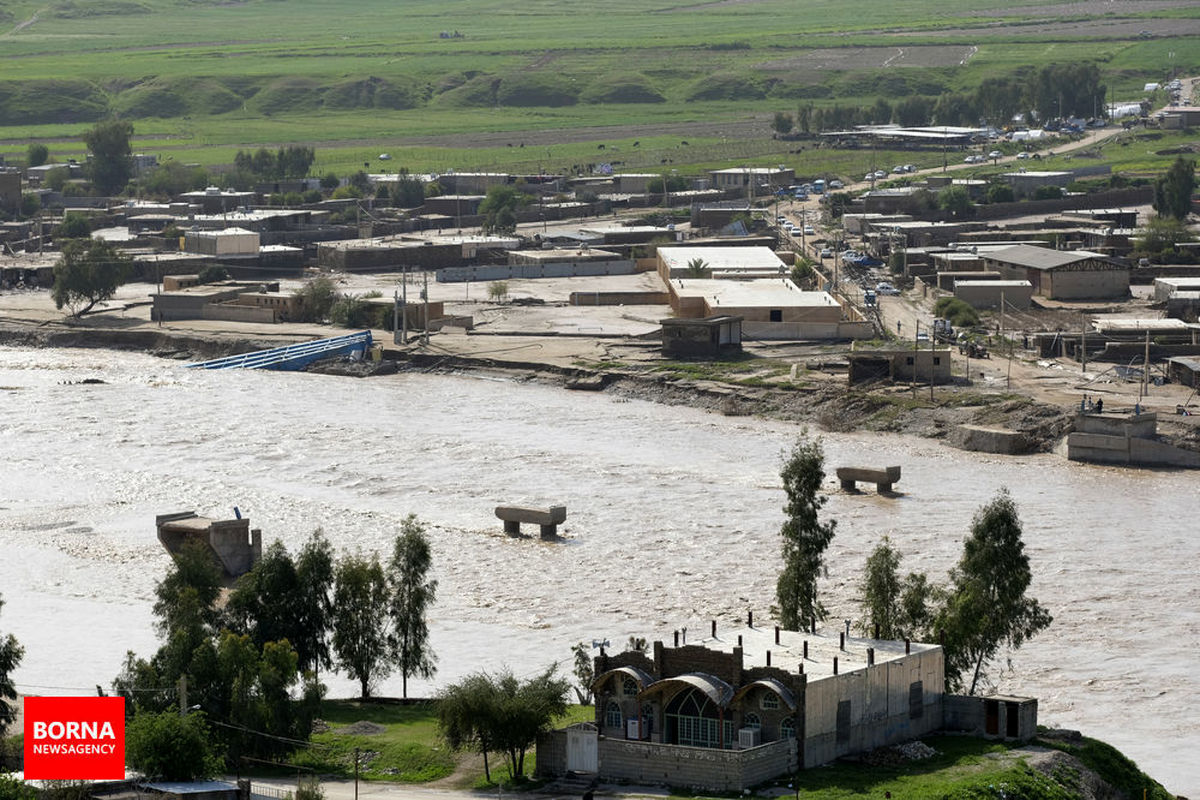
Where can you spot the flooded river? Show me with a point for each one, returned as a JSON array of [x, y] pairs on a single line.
[[673, 518]]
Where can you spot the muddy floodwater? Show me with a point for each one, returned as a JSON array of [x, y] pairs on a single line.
[[673, 518]]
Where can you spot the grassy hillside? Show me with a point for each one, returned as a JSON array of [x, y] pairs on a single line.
[[402, 744], [208, 73]]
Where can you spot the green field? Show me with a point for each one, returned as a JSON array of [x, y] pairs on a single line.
[[202, 79]]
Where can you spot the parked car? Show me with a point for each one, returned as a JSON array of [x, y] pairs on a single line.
[[1023, 156], [910, 168], [809, 231], [836, 185], [826, 252], [899, 169], [780, 219], [995, 154], [886, 288]]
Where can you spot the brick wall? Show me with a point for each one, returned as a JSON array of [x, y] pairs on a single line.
[[694, 767]]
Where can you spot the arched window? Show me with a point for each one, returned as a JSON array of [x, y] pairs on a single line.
[[629, 687], [787, 729], [770, 701], [612, 715], [751, 721], [691, 719]]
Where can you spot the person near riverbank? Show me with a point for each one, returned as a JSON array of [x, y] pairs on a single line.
[[1100, 406]]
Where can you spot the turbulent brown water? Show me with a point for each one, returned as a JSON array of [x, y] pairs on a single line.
[[673, 517]]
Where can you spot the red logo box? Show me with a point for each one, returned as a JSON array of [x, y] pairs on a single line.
[[74, 738]]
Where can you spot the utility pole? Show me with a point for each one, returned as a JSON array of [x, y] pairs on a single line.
[[1083, 342], [1146, 368], [425, 296], [916, 341], [404, 303], [183, 700]]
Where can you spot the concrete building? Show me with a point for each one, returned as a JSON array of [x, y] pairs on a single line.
[[983, 294], [10, 189], [740, 708], [1166, 288], [1025, 184], [946, 280], [1062, 275], [752, 177], [283, 305], [1181, 117], [726, 262], [710, 337], [899, 365], [214, 200], [225, 242]]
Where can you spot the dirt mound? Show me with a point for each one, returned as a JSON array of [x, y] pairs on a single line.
[[361, 728]]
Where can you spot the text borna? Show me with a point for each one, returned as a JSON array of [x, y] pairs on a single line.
[[73, 730]]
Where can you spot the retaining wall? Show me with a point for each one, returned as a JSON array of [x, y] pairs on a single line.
[[703, 767]]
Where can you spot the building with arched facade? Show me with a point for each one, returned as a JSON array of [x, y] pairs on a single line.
[[736, 709]]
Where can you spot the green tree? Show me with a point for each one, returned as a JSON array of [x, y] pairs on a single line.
[[57, 178], [802, 273], [528, 708], [1047, 193], [957, 201], [499, 209], [264, 602], [210, 274], [73, 226], [880, 589], [698, 268], [465, 716], [998, 192], [11, 788], [168, 746], [11, 654], [37, 154], [804, 536], [585, 672], [881, 112], [501, 714], [88, 272], [330, 181], [986, 606], [172, 177], [412, 592], [314, 573], [1173, 191], [783, 123], [31, 204], [360, 603], [112, 162], [497, 290], [1163, 234], [316, 299], [408, 192]]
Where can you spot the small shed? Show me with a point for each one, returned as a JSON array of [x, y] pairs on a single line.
[[708, 337], [1184, 370]]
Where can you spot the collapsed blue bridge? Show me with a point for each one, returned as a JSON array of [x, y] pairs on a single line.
[[292, 356]]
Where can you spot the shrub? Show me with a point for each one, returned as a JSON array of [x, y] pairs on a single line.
[[958, 312], [1048, 193], [213, 273], [316, 299]]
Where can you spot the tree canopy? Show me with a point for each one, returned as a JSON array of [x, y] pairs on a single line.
[[111, 166], [360, 636], [11, 654], [37, 154], [986, 606], [412, 592], [500, 207], [169, 746], [88, 272], [1173, 191], [804, 536], [500, 713]]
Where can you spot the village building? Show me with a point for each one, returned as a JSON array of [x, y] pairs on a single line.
[[1026, 183], [739, 708], [899, 364], [985, 294], [710, 337], [1062, 275], [752, 178]]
